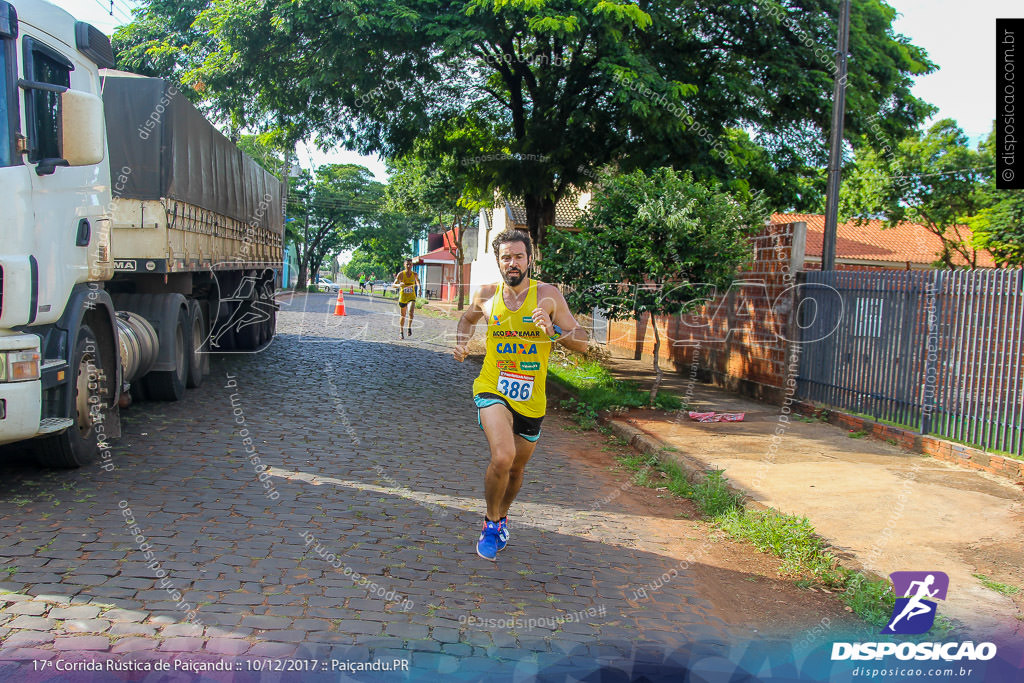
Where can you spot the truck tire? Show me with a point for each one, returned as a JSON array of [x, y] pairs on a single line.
[[247, 337], [268, 329], [75, 446], [169, 385], [225, 338], [197, 360]]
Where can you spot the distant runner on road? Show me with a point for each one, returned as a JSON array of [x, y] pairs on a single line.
[[362, 282], [525, 318], [407, 281]]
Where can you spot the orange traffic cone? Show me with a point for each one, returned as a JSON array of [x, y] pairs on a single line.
[[351, 288], [339, 307]]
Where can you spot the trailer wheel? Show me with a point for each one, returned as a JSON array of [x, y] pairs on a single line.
[[196, 357], [76, 446], [268, 328], [169, 385], [247, 337], [225, 337]]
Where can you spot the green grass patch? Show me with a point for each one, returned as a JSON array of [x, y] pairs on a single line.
[[794, 541], [713, 496], [871, 600], [595, 386], [1001, 588], [859, 434], [790, 538]]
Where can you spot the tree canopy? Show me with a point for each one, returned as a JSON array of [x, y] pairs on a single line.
[[933, 178], [546, 91], [337, 207], [999, 226], [657, 244]]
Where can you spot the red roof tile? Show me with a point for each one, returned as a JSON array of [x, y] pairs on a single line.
[[436, 256], [872, 242]]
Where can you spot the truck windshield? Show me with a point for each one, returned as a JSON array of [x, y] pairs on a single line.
[[5, 107]]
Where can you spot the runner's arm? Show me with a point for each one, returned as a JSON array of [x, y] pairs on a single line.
[[473, 314], [556, 312]]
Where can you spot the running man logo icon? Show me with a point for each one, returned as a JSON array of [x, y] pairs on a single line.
[[913, 612]]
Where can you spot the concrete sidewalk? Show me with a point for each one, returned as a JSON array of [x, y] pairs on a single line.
[[882, 508]]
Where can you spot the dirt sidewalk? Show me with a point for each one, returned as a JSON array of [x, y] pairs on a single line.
[[883, 509]]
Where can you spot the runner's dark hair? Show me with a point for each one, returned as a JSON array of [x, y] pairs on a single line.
[[512, 235]]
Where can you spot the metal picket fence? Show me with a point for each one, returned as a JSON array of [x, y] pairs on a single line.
[[936, 351]]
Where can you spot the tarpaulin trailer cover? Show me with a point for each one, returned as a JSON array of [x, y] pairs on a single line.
[[166, 149]]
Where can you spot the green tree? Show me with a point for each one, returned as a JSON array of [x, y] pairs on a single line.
[[999, 227], [932, 178], [555, 88], [340, 201], [652, 244], [367, 264], [268, 150], [439, 190]]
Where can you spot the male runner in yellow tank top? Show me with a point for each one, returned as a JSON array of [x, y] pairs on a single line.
[[406, 281], [525, 319]]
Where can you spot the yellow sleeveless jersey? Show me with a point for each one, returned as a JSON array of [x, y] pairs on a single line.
[[516, 362], [407, 292]]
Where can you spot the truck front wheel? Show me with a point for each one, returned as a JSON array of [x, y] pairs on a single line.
[[76, 445]]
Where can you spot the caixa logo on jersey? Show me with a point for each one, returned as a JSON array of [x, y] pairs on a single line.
[[913, 614]]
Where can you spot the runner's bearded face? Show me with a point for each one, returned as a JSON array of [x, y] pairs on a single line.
[[513, 262]]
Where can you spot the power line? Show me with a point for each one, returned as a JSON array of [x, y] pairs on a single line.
[[930, 175]]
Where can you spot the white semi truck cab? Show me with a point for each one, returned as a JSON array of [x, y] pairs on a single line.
[[135, 238]]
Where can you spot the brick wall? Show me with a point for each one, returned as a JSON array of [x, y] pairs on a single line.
[[739, 340]]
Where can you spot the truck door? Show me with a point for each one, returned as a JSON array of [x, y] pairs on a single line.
[[17, 241], [68, 203]]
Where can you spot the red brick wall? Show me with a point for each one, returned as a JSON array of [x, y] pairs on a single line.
[[741, 337]]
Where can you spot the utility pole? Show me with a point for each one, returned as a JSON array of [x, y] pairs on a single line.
[[835, 156]]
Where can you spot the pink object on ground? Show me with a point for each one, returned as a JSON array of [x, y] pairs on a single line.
[[716, 417]]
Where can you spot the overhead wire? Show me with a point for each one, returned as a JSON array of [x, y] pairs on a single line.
[[940, 173], [928, 175]]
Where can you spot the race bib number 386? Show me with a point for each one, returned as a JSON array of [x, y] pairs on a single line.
[[515, 386]]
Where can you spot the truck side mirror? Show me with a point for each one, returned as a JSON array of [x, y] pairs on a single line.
[[81, 128]]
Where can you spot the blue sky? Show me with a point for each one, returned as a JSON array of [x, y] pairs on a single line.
[[958, 35]]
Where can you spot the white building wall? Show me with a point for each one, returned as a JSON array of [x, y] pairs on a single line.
[[484, 269]]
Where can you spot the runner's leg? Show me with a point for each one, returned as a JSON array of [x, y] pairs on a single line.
[[497, 423], [524, 450]]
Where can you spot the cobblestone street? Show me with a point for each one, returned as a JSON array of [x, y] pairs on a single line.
[[356, 544]]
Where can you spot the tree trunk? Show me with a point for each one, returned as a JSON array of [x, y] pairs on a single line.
[[657, 367], [540, 214], [460, 258]]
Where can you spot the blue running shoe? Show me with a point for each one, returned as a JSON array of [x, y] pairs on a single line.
[[487, 546], [502, 533]]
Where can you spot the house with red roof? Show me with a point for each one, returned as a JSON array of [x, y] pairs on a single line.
[[436, 266], [868, 245]]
